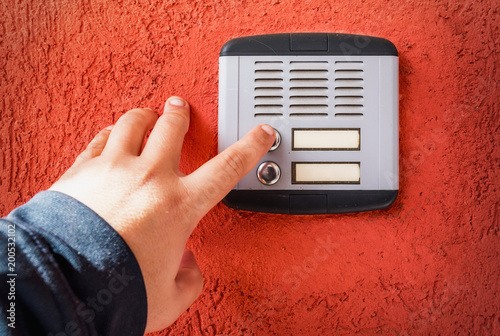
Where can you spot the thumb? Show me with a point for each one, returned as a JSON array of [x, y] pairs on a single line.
[[187, 287], [189, 280]]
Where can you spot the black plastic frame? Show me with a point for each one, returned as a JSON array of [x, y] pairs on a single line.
[[308, 44], [310, 202]]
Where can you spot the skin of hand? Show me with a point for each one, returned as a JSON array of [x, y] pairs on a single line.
[[136, 186]]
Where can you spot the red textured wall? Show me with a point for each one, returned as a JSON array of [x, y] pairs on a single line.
[[428, 265]]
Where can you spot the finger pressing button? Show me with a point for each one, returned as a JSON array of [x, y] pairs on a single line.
[[277, 140]]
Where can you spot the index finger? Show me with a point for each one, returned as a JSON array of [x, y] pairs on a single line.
[[212, 181]]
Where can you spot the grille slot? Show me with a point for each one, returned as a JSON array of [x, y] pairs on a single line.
[[268, 99], [309, 100], [309, 109], [307, 73], [349, 83], [269, 81], [268, 62], [265, 91], [348, 62], [268, 110], [269, 73], [313, 62], [308, 91]]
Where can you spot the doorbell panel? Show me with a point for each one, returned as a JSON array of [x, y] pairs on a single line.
[[333, 101]]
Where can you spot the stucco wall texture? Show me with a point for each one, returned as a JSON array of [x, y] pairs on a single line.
[[429, 265]]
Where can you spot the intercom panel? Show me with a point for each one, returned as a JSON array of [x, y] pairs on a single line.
[[333, 101]]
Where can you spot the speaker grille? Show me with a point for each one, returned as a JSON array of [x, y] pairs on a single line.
[[303, 88]]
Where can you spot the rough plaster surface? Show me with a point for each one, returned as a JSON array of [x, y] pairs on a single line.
[[429, 265]]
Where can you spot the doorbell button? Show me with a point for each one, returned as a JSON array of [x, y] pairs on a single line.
[[277, 141], [268, 172]]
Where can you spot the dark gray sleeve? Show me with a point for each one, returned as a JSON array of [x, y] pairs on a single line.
[[65, 271]]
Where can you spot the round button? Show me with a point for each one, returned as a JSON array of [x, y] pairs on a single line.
[[277, 140], [268, 173]]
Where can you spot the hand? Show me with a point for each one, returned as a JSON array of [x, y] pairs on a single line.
[[139, 190]]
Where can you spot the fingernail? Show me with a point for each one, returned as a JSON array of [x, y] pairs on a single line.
[[177, 102], [268, 129], [109, 128]]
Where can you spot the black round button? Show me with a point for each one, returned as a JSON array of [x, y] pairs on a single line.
[[268, 173]]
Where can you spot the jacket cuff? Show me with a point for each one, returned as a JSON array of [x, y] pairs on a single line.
[[98, 263]]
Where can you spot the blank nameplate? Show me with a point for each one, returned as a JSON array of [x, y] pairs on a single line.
[[326, 173], [325, 139]]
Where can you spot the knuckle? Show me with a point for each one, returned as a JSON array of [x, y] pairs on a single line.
[[82, 157], [97, 141], [94, 147], [139, 115], [176, 117], [233, 162], [260, 140]]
